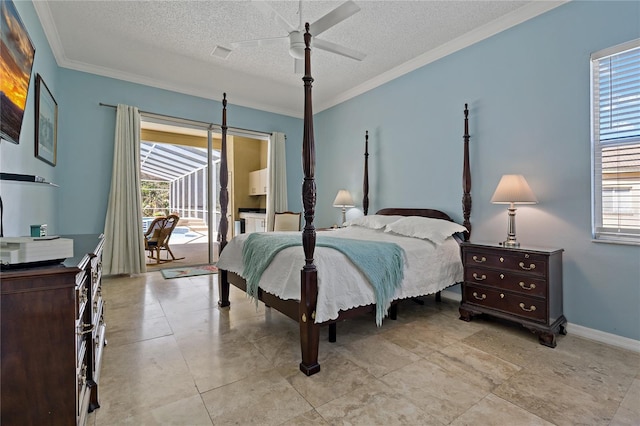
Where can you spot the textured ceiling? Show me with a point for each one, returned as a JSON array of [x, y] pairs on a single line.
[[169, 44]]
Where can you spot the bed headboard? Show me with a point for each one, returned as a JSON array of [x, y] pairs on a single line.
[[436, 214]]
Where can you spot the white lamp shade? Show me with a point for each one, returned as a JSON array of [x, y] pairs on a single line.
[[513, 189], [343, 199]]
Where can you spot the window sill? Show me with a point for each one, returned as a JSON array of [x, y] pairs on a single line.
[[616, 242]]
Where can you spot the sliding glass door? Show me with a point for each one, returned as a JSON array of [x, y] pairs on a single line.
[[179, 173]]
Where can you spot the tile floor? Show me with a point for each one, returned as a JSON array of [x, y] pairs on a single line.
[[174, 357]]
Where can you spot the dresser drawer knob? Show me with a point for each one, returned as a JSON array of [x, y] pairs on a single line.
[[484, 296], [502, 276], [524, 286], [479, 277], [502, 259], [479, 259], [501, 295], [531, 309], [527, 268]]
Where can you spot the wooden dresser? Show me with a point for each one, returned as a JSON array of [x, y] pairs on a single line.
[[53, 332], [518, 284]]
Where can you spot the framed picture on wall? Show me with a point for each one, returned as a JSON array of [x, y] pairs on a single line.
[[16, 61], [46, 123]]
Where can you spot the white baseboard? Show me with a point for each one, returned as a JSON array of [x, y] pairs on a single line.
[[602, 337], [580, 331]]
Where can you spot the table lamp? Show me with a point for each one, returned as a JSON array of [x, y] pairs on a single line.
[[513, 189], [344, 200]]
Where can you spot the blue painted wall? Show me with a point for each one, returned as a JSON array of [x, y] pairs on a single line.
[[87, 132], [528, 93], [528, 90], [27, 203]]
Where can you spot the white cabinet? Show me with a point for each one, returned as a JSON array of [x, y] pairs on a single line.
[[254, 222], [258, 182]]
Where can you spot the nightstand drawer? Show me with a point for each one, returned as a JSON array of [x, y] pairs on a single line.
[[525, 284], [530, 263], [516, 304]]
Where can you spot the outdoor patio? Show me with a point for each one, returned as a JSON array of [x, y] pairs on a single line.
[[194, 253]]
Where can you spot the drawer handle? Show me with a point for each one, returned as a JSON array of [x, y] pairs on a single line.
[[82, 379], [479, 260], [530, 267], [87, 331], [531, 309], [484, 296], [479, 278], [524, 286]]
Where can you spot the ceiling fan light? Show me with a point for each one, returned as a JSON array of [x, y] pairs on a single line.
[[296, 44], [297, 50]]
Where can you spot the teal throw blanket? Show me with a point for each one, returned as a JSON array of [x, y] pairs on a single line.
[[381, 262]]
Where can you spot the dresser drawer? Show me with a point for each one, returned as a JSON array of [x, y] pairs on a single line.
[[98, 342], [82, 392], [530, 263], [96, 273], [511, 303], [82, 294], [97, 307], [520, 283]]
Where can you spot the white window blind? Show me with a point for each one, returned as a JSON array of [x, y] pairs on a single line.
[[616, 143]]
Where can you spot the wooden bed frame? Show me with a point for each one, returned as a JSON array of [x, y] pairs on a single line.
[[303, 311]]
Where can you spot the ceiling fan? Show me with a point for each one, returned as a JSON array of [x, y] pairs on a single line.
[[295, 35]]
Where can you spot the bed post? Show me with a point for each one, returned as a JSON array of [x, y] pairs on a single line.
[[365, 185], [223, 283], [466, 177], [309, 330]]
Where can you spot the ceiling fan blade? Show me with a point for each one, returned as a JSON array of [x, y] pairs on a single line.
[[334, 17], [260, 42], [272, 14], [340, 50], [298, 66]]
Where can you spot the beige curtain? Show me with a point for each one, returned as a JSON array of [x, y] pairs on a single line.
[[277, 192], [124, 245]]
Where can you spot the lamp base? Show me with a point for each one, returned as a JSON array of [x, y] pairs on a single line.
[[510, 243]]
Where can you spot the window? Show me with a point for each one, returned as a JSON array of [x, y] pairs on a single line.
[[615, 105]]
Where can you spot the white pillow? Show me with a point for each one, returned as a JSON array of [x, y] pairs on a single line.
[[426, 228], [374, 221]]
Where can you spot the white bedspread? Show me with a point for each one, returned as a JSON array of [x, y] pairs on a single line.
[[341, 286]]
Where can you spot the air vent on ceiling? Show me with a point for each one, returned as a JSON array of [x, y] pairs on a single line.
[[220, 52]]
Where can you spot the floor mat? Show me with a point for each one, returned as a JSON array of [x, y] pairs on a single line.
[[189, 271]]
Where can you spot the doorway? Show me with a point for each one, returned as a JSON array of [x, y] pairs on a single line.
[[179, 162], [178, 175]]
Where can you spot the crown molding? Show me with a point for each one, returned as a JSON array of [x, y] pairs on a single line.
[[510, 20]]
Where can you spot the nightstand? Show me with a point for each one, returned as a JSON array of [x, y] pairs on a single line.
[[521, 284]]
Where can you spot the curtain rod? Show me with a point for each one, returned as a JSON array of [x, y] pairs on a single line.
[[239, 129]]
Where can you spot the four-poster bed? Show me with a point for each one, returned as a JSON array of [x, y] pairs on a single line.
[[345, 293]]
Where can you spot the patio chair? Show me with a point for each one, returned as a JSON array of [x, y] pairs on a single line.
[[156, 239], [286, 221]]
